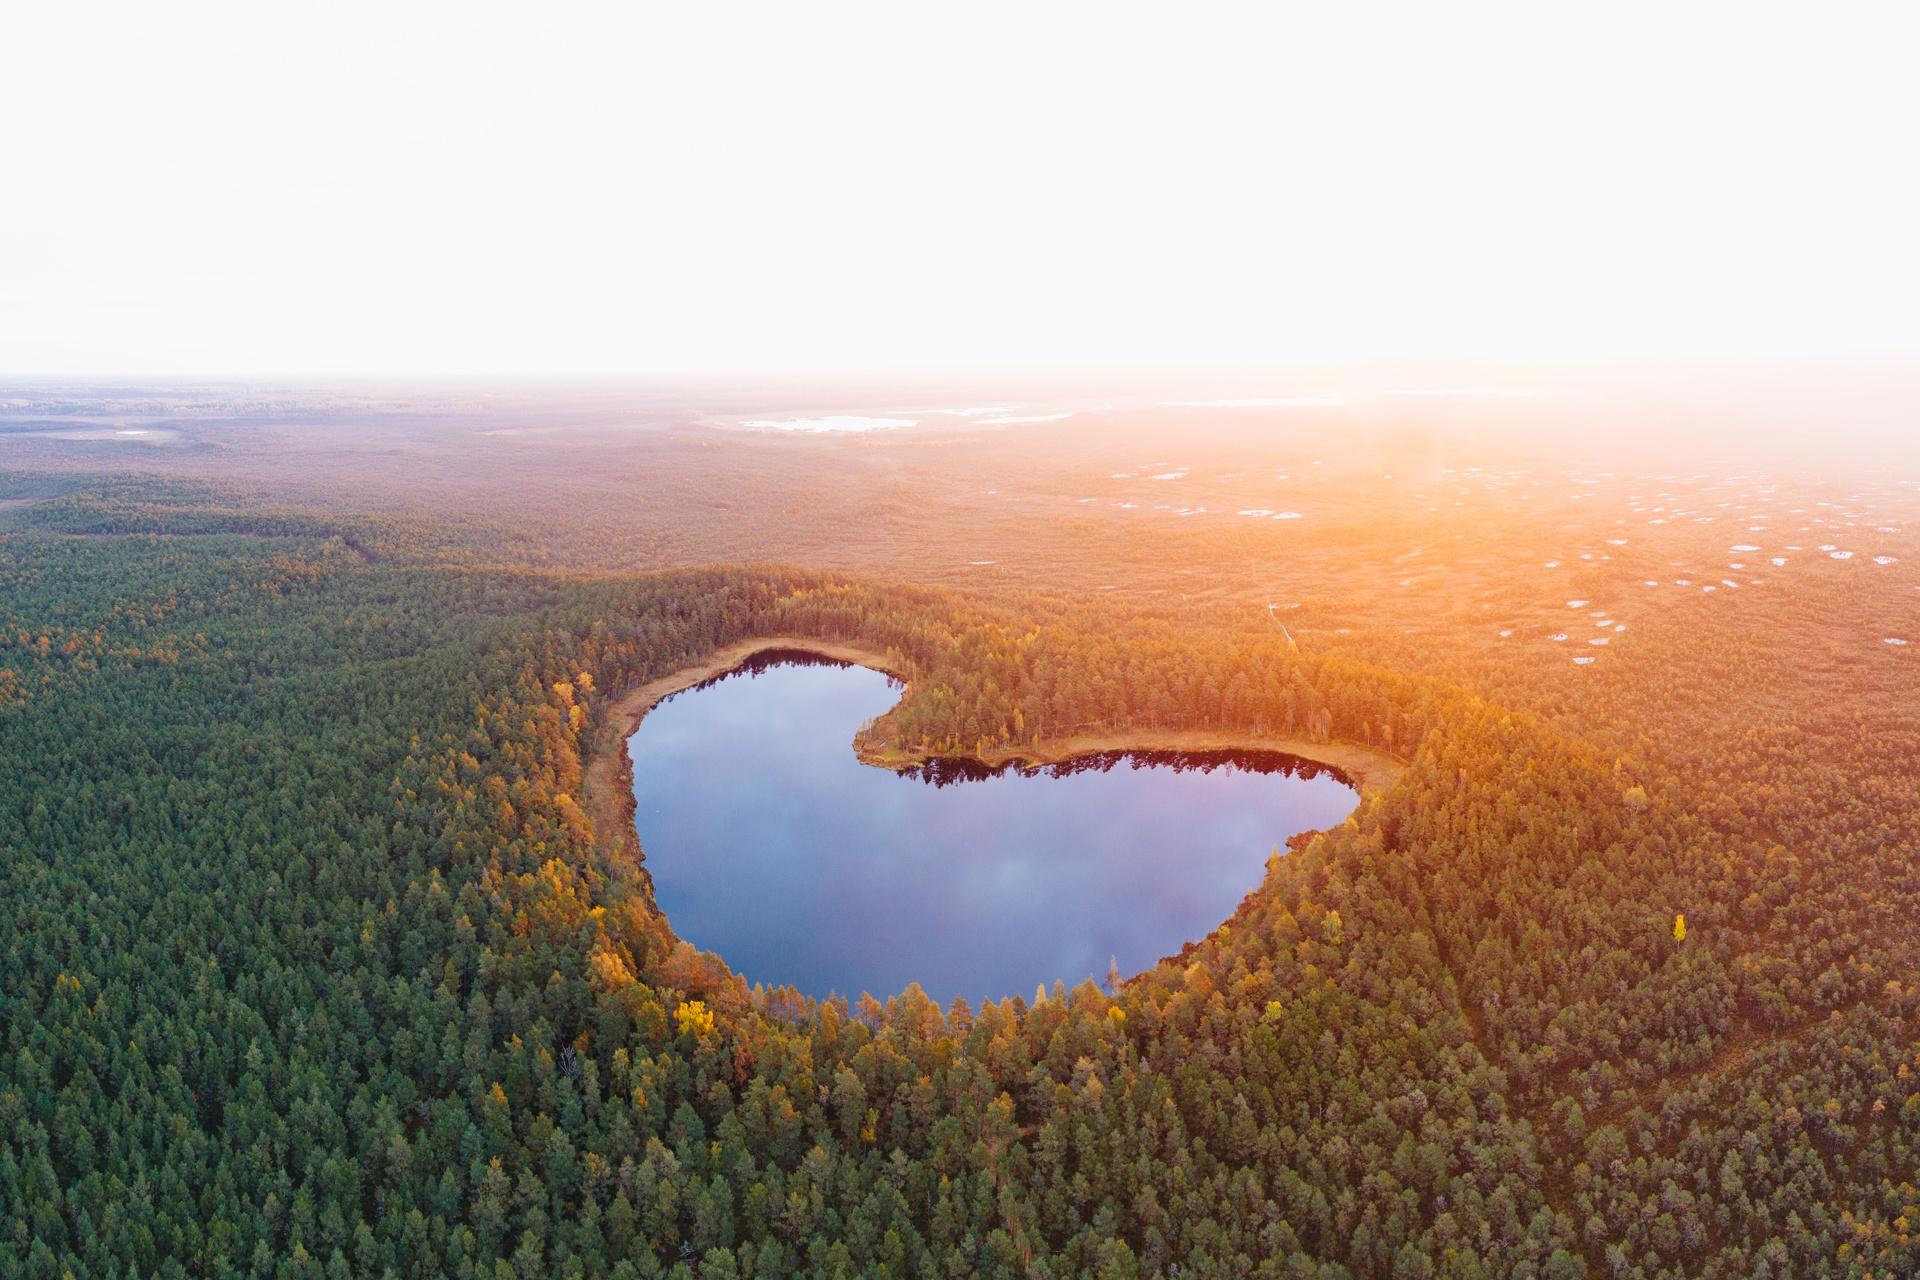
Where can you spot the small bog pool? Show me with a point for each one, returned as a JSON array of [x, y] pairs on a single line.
[[772, 844]]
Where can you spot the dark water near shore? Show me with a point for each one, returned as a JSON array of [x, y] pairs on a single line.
[[770, 843]]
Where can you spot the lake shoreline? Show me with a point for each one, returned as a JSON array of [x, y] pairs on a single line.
[[607, 779], [608, 775]]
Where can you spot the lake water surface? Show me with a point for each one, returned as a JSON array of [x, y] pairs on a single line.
[[770, 843]]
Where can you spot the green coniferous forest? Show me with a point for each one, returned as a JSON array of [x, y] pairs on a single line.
[[1360, 562], [314, 964]]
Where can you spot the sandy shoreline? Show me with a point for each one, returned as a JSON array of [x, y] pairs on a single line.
[[607, 783]]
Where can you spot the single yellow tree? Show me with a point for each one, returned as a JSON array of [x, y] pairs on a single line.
[[1680, 928], [694, 1017]]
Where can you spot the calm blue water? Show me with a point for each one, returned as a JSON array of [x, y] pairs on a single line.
[[770, 843]]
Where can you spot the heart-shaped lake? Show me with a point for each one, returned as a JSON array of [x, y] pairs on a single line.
[[772, 844]]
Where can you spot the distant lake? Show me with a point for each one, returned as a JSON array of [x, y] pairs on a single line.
[[770, 843]]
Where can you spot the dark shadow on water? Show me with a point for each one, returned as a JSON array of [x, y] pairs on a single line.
[[768, 659], [947, 771]]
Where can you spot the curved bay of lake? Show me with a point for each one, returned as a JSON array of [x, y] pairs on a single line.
[[770, 843]]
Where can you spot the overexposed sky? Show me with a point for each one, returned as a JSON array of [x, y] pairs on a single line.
[[396, 188]]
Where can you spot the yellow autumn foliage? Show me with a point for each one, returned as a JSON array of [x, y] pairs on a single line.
[[694, 1018]]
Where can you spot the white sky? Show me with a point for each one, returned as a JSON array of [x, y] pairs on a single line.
[[260, 188]]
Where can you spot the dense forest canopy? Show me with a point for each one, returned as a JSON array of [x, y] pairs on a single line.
[[313, 962]]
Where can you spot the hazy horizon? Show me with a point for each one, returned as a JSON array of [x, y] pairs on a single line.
[[457, 191], [1833, 418]]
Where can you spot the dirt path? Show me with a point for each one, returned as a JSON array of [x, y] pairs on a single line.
[[1647, 1098]]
